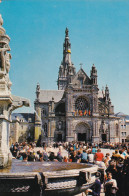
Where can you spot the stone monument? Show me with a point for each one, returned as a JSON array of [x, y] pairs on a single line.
[[8, 102]]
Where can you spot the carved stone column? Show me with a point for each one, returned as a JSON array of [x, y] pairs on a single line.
[[95, 137], [8, 102]]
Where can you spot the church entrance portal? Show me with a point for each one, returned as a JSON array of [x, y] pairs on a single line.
[[82, 132], [81, 137], [104, 137], [59, 137]]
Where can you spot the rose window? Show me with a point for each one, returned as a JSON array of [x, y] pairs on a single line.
[[81, 104]]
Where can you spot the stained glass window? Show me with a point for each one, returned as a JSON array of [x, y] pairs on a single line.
[[81, 104]]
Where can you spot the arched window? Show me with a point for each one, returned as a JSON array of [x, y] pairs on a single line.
[[43, 112], [117, 129]]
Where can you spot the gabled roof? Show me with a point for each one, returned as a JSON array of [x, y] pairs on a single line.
[[46, 95], [81, 73], [100, 94]]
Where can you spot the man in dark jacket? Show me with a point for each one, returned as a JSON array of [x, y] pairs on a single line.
[[96, 188]]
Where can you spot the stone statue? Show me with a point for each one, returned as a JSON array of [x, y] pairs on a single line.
[[5, 61]]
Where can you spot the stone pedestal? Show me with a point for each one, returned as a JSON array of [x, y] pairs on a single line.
[[5, 103], [5, 155], [95, 139]]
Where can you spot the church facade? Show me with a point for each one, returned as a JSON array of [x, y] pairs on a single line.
[[78, 110]]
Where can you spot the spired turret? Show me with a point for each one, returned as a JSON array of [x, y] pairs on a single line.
[[37, 91], [107, 94], [66, 70], [93, 75], [8, 102]]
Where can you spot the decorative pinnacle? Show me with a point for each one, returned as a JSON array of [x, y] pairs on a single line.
[[81, 65], [1, 20], [38, 87], [66, 32]]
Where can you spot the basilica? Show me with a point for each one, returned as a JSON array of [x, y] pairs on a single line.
[[78, 110]]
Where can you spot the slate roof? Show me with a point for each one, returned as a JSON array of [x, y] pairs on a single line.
[[47, 95], [121, 114], [25, 116]]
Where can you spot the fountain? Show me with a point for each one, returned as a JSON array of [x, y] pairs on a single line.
[[47, 178], [35, 178]]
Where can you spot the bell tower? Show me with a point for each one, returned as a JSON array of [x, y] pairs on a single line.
[[66, 69]]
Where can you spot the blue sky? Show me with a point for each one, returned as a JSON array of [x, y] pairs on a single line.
[[99, 34]]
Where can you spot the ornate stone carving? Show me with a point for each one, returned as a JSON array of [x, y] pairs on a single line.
[[8, 102], [7, 61], [1, 110]]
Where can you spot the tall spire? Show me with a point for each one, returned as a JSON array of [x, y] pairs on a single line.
[[66, 32], [67, 69], [107, 93], [67, 44]]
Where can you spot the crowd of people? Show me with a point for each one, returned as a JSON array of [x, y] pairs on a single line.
[[114, 167]]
